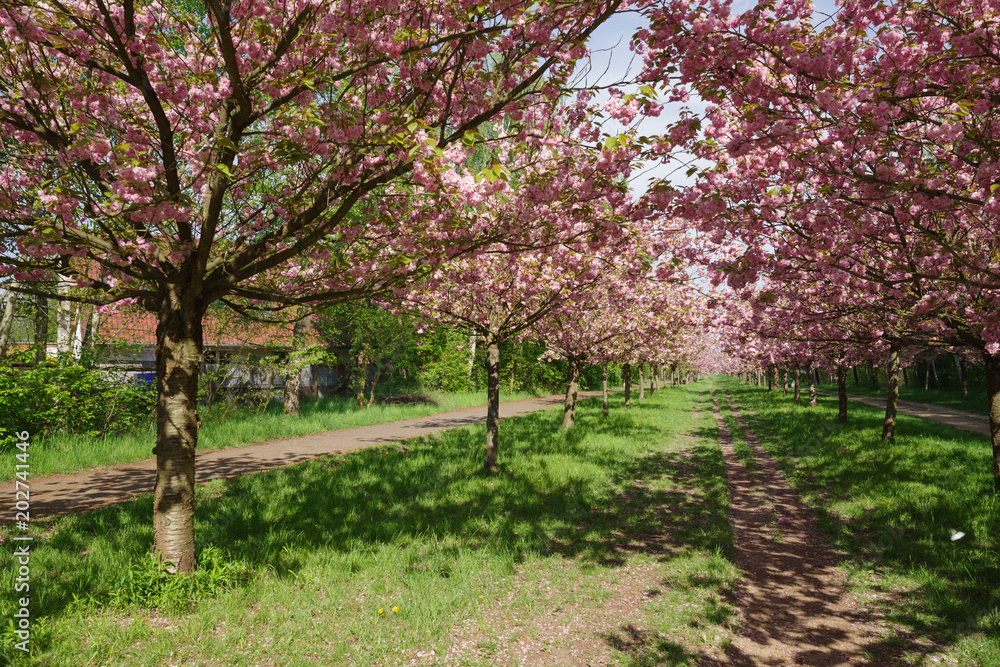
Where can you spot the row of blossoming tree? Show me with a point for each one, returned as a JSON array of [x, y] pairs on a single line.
[[851, 193], [270, 155]]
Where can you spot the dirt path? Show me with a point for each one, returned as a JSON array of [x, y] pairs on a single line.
[[794, 607], [79, 491]]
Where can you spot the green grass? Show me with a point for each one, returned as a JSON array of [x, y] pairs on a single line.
[[893, 506], [946, 397], [300, 560], [69, 452]]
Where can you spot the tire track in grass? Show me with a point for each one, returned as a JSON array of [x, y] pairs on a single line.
[[792, 600]]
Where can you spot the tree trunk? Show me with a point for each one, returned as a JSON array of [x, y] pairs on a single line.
[[811, 374], [371, 394], [41, 328], [93, 326], [965, 378], [654, 381], [992, 362], [515, 354], [816, 373], [604, 384], [874, 376], [178, 364], [82, 325], [652, 378], [493, 402], [293, 376], [797, 386], [642, 383], [937, 380], [7, 323], [627, 375], [927, 376], [64, 319], [892, 391], [906, 378], [842, 393], [857, 382], [783, 379], [362, 379], [472, 360], [572, 389]]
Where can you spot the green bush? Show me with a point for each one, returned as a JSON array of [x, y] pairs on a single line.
[[58, 395]]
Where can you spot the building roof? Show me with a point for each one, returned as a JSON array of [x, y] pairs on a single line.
[[219, 330]]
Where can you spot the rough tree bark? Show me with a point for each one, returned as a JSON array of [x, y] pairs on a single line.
[[178, 365], [797, 387], [7, 322], [362, 379], [627, 376], [604, 387], [992, 363], [842, 393], [812, 385], [892, 391], [293, 377], [642, 383], [572, 390], [493, 402]]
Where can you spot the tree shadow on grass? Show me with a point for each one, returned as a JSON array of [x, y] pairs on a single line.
[[893, 506], [657, 502]]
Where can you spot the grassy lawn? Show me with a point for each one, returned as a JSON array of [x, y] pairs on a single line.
[[409, 553], [895, 508], [70, 452]]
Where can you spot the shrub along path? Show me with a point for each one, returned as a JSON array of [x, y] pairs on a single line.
[[76, 492]]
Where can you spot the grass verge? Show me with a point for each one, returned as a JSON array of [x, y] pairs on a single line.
[[918, 515], [610, 539], [69, 452]]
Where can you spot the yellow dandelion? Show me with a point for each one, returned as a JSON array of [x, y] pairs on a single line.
[[395, 609], [381, 611]]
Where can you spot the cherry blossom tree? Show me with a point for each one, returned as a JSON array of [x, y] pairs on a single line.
[[569, 206], [176, 155]]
